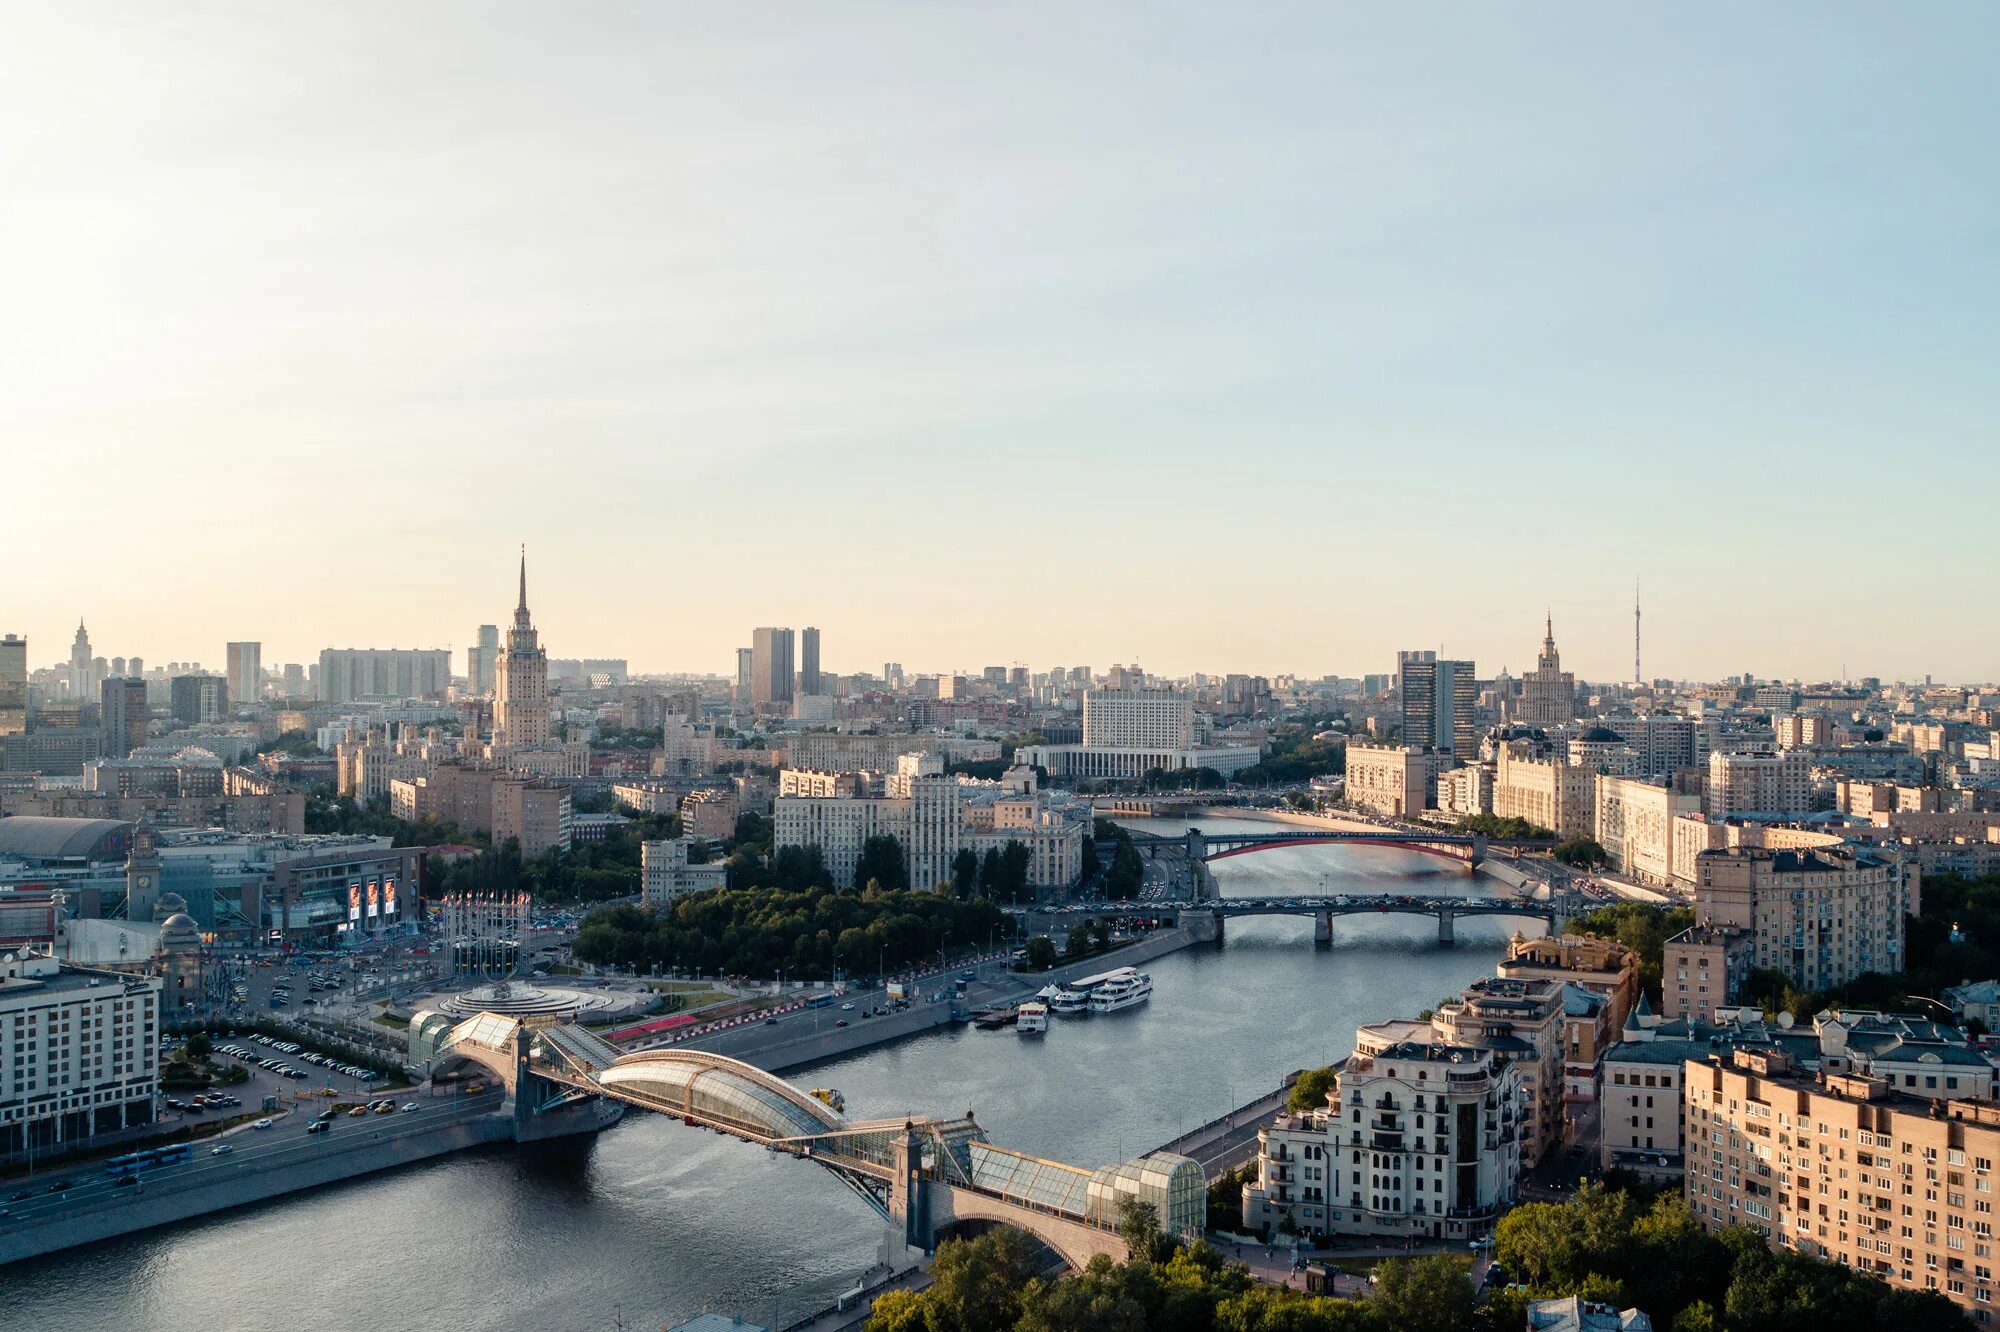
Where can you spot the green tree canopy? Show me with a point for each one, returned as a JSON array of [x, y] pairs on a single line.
[[1309, 1092]]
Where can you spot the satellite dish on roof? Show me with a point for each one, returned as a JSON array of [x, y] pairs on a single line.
[[1784, 1022]]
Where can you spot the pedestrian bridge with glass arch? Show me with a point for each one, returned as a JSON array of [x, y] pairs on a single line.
[[933, 1177]]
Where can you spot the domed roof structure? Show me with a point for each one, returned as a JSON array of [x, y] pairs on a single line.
[[37, 837], [179, 933]]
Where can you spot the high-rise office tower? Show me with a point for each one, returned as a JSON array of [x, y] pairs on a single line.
[[135, 666], [482, 658], [295, 680], [13, 685], [121, 712], [809, 661], [892, 675], [521, 682], [196, 700], [1439, 695], [243, 667], [771, 666], [746, 667]]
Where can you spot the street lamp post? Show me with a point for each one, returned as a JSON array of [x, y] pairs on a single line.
[[1926, 999]]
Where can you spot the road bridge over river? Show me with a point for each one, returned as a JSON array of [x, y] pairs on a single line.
[[1183, 858], [932, 1177], [1554, 912]]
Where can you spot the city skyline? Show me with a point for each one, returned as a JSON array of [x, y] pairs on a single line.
[[1517, 658], [1471, 293]]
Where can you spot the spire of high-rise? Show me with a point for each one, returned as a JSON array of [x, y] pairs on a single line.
[[523, 604]]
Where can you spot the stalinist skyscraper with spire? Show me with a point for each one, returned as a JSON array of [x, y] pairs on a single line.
[[1548, 693], [521, 682]]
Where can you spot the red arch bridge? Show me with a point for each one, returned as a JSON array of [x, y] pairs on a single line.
[[1207, 848]]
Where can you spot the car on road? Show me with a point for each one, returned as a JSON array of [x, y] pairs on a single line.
[[841, 1023], [770, 1022], [18, 1197], [357, 1112], [221, 1149], [318, 1126], [261, 1124], [410, 1107]]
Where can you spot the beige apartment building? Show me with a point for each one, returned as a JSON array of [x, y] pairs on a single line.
[[1866, 799], [1523, 1021], [1392, 780], [1418, 1139], [1466, 791], [712, 812], [1845, 1167], [1634, 822], [1603, 965], [536, 813], [1546, 792], [488, 800], [1759, 783], [1821, 915], [1589, 968]]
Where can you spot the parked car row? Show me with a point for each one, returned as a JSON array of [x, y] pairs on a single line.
[[285, 1069]]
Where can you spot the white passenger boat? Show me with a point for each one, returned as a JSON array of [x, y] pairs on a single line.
[[1124, 988], [1070, 1001], [1032, 1018]]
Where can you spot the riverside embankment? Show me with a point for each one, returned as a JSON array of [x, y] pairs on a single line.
[[252, 1166], [801, 1039], [666, 1213]]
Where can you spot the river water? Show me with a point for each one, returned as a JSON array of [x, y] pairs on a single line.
[[653, 1222]]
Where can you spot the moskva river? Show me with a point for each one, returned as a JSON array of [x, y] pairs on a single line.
[[653, 1222]]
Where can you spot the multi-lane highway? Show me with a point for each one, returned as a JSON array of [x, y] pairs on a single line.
[[46, 1197]]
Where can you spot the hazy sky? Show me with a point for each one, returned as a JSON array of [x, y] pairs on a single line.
[[1253, 337]]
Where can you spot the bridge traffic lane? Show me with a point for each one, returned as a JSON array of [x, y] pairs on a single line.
[[284, 1143]]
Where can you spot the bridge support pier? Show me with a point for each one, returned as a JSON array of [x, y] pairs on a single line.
[[1477, 852], [909, 1201], [1323, 930], [1445, 939]]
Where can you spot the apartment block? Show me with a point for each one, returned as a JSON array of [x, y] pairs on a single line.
[[1419, 1139], [1547, 792], [666, 874], [1634, 822], [1521, 1020], [1393, 780], [1759, 783], [1847, 1168]]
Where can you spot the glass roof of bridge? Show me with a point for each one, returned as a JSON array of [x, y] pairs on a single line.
[[1048, 1185], [491, 1030], [728, 1093]]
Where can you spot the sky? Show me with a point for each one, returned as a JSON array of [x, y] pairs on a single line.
[[1258, 337]]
